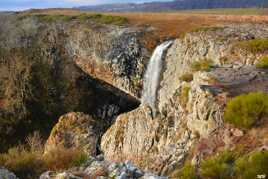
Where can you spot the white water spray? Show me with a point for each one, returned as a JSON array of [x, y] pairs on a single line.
[[152, 76]]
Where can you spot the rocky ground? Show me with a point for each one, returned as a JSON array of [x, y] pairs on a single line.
[[91, 75], [95, 167]]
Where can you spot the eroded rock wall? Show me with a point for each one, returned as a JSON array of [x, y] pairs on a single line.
[[41, 78], [188, 111]]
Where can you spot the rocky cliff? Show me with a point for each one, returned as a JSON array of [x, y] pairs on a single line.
[[84, 73], [190, 110], [52, 64]]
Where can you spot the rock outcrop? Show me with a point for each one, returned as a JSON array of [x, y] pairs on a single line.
[[77, 131], [189, 112], [114, 55], [42, 78]]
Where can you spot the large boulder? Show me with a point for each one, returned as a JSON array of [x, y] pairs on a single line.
[[75, 130]]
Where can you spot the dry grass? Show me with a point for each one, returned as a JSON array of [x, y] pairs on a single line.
[[62, 158], [28, 161]]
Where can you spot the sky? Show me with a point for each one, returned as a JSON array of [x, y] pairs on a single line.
[[27, 4]]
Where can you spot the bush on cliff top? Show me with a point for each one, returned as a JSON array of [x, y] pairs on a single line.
[[254, 46], [263, 63], [245, 110]]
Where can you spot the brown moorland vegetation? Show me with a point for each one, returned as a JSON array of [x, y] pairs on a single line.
[[169, 25], [173, 24]]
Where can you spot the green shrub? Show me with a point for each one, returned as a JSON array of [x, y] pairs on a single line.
[[263, 63], [249, 166], [184, 95], [188, 77], [218, 167], [187, 172], [254, 46], [245, 110], [201, 65]]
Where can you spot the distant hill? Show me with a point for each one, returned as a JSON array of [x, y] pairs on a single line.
[[175, 5]]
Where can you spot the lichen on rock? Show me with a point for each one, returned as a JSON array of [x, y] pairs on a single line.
[[76, 131]]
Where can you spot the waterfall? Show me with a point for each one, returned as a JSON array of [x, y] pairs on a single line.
[[152, 76]]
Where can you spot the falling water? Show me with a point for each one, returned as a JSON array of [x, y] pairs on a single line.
[[152, 76]]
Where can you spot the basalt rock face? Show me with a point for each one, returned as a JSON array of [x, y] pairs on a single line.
[[114, 55], [190, 112], [217, 44], [151, 143]]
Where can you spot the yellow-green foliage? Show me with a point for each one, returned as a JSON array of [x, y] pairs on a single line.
[[188, 77], [187, 172], [254, 46], [249, 166], [218, 167], [263, 63], [228, 165], [97, 18], [201, 65], [184, 95], [245, 110]]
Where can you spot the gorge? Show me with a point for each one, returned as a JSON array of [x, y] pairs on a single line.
[[94, 96]]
